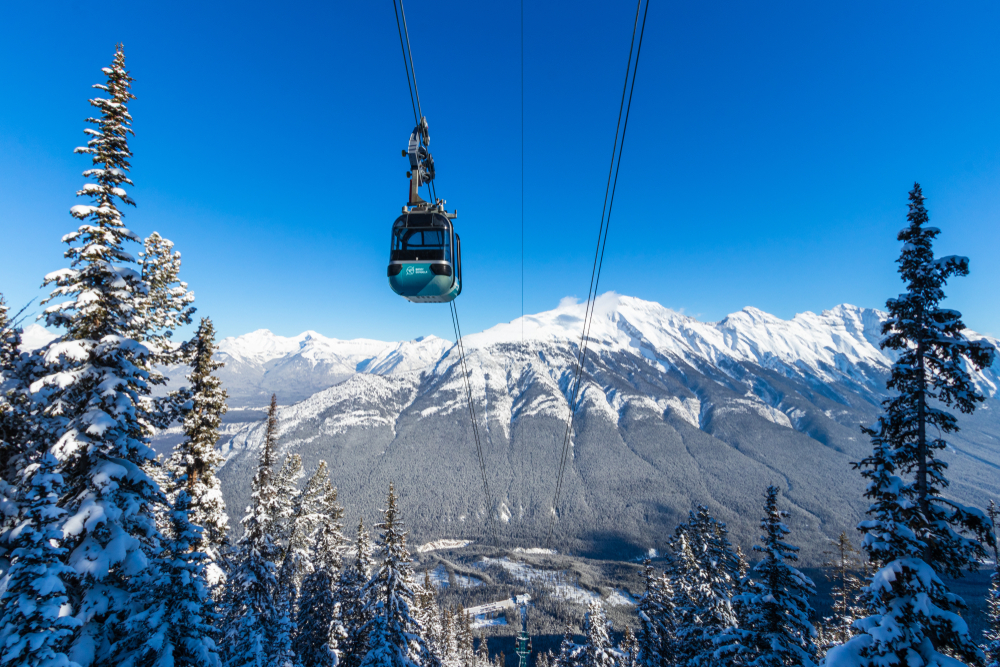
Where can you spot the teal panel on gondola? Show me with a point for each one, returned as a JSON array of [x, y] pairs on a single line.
[[419, 284]]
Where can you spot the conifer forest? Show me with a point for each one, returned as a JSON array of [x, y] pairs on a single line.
[[121, 546]]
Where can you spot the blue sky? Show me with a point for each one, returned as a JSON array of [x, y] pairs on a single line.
[[769, 152]]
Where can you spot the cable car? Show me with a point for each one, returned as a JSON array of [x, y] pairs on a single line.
[[425, 257]]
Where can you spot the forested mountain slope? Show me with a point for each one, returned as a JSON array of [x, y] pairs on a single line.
[[673, 412]]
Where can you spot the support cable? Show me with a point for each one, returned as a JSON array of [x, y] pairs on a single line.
[[490, 506], [411, 82], [602, 237]]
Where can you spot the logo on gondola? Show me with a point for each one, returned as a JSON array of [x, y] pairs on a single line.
[[409, 270]]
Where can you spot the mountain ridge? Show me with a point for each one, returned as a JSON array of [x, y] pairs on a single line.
[[671, 412]]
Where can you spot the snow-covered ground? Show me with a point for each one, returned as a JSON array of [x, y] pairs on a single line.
[[557, 582], [437, 545], [439, 577]]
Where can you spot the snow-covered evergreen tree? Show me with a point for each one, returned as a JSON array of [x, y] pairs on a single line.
[[777, 631], [431, 618], [992, 632], [311, 509], [689, 588], [98, 384], [257, 632], [18, 427], [707, 584], [629, 649], [394, 637], [350, 590], [320, 629], [181, 619], [655, 611], [913, 532], [483, 654], [196, 458], [33, 632], [597, 651], [569, 651], [838, 627], [166, 305], [464, 639]]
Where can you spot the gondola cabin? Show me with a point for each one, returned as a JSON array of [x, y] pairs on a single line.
[[425, 262]]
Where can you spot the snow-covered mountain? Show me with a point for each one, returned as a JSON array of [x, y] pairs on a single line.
[[261, 363], [672, 412]]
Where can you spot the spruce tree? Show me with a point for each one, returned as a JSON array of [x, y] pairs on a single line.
[[97, 388], [311, 510], [689, 589], [350, 590], [320, 630], [466, 644], [431, 618], [394, 637], [18, 426], [629, 649], [33, 632], [992, 632], [196, 458], [914, 532], [777, 631], [483, 654], [569, 652], [597, 652], [257, 634], [845, 592], [708, 586], [655, 620], [181, 617], [286, 483]]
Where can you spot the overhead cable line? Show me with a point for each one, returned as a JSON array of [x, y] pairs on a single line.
[[418, 114], [490, 506], [602, 238]]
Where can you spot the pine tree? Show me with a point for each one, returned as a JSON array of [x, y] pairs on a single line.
[[196, 458], [18, 427], [569, 652], [837, 628], [289, 497], [655, 620], [913, 532], [98, 410], [181, 616], [394, 637], [430, 617], [33, 633], [483, 654], [708, 582], [992, 632], [629, 649], [597, 652], [350, 590], [689, 589], [256, 630], [320, 630], [777, 631], [466, 647], [311, 510]]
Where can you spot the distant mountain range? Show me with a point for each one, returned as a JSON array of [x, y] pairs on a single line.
[[673, 412]]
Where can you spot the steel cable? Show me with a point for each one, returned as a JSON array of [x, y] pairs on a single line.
[[411, 82], [602, 237]]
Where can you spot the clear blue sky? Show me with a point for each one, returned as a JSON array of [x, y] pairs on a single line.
[[768, 157]]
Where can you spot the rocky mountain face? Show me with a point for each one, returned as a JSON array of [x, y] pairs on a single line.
[[672, 413]]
